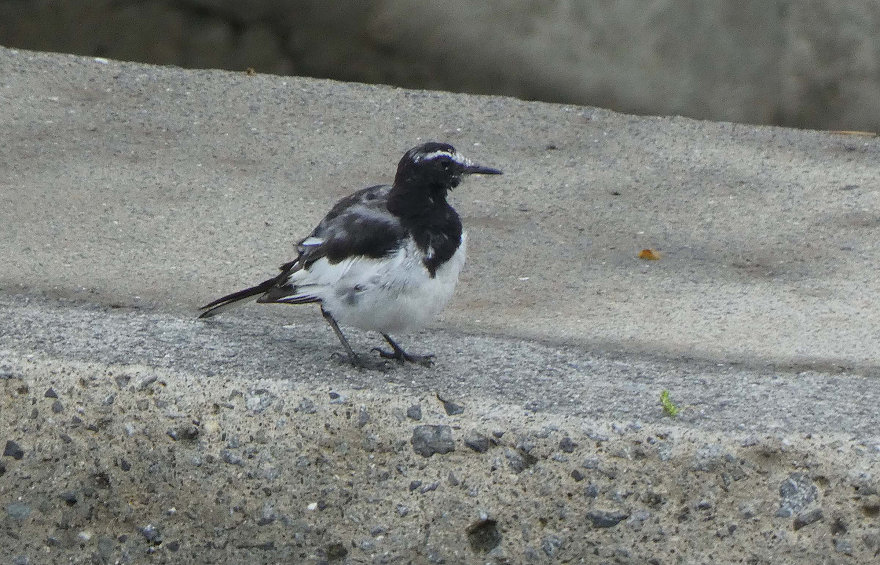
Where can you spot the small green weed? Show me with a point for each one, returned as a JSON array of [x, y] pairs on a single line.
[[669, 408]]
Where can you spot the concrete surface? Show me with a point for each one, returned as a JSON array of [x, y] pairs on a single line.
[[132, 194], [803, 64]]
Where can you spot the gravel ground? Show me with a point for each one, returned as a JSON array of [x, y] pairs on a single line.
[[134, 434], [115, 463]]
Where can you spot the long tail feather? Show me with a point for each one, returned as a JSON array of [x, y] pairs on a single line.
[[221, 304]]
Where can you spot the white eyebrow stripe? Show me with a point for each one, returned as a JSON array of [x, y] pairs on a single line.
[[457, 157]]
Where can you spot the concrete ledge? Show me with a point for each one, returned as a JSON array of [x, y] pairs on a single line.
[[120, 462], [132, 194]]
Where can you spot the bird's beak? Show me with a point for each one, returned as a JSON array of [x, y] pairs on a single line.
[[474, 169]]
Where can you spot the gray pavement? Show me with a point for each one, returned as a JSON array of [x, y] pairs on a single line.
[[130, 184], [133, 194], [491, 370]]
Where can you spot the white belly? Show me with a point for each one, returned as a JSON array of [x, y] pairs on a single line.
[[388, 295]]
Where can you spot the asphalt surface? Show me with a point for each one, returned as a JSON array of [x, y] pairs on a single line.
[[132, 194]]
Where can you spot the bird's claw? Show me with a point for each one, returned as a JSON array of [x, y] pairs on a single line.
[[359, 362], [402, 356]]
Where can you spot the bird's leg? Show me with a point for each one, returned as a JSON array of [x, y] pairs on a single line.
[[400, 355], [353, 357]]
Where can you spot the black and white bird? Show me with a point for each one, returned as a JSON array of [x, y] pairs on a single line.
[[385, 258]]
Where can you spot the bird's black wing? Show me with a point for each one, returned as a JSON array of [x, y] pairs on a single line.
[[359, 225]]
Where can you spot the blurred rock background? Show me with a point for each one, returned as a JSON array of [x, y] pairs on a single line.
[[802, 63]]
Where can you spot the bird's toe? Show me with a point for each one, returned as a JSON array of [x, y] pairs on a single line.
[[361, 362], [402, 357]]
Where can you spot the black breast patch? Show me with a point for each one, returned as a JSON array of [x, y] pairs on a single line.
[[438, 238]]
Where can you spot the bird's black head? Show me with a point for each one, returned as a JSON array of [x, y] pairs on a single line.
[[436, 168]]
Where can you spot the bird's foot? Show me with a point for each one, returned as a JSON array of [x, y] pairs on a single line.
[[402, 356], [361, 362]]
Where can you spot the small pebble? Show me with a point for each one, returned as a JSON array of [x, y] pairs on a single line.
[[606, 519], [306, 406], [18, 510], [230, 457], [843, 546], [590, 463], [796, 492], [551, 545], [429, 440], [186, 432], [566, 445], [519, 460], [151, 534], [13, 450], [596, 436], [807, 518], [477, 441], [147, 381], [7, 374], [451, 408], [336, 398], [363, 417], [267, 515], [259, 401]]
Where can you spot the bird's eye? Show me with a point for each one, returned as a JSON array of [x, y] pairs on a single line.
[[445, 163]]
